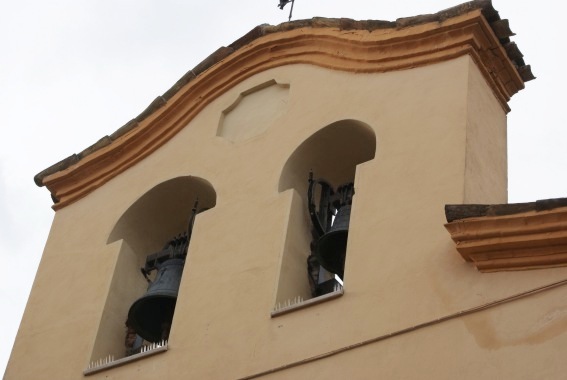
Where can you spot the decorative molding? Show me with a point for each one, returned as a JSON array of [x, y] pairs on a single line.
[[357, 51], [241, 120], [525, 240]]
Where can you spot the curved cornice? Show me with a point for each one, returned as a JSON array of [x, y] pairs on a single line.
[[363, 50]]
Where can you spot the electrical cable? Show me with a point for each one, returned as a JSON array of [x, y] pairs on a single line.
[[408, 329]]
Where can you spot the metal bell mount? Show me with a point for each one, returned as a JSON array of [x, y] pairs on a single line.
[[331, 223]]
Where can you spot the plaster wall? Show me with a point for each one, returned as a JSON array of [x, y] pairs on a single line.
[[486, 179], [439, 134], [520, 340]]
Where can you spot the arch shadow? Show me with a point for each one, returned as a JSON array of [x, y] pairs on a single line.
[[162, 212]]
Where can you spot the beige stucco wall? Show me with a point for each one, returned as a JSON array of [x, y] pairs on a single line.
[[440, 139], [486, 179]]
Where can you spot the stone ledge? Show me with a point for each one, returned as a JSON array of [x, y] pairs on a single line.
[[524, 240], [104, 364], [310, 302]]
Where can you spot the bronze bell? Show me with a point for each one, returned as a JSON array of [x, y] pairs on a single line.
[[330, 216], [330, 249], [151, 314]]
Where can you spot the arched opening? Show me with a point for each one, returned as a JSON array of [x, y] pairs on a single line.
[[331, 154], [162, 212], [153, 235]]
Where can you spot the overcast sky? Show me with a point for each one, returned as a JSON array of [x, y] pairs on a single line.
[[72, 71]]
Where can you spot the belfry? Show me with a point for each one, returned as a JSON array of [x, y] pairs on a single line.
[[320, 199]]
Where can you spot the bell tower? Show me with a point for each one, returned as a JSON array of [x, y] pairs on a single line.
[[279, 213]]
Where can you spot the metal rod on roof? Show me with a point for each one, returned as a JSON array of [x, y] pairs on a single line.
[[283, 3], [291, 10]]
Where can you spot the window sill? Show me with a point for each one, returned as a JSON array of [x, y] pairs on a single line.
[[310, 302], [109, 362]]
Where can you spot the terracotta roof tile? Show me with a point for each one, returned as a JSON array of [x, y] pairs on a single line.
[[460, 212]]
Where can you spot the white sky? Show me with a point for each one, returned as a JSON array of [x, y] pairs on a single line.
[[72, 71]]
